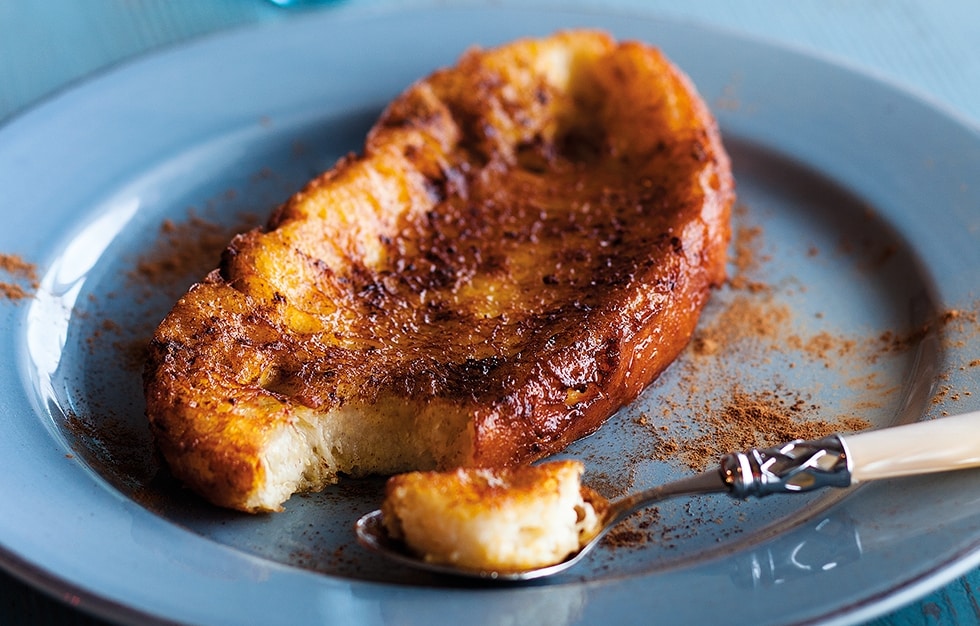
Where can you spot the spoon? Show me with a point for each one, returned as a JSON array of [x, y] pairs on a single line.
[[939, 445]]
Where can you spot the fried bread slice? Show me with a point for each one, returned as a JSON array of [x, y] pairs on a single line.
[[525, 243], [494, 519]]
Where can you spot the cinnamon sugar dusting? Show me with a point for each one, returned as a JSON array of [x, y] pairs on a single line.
[[961, 327], [711, 412], [19, 278], [758, 420], [746, 257], [184, 249], [743, 319]]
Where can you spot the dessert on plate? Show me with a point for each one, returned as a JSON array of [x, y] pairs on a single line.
[[524, 244]]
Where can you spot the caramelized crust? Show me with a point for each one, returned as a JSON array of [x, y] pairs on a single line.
[[525, 243]]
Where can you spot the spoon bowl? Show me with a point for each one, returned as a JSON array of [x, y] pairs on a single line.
[[372, 534]]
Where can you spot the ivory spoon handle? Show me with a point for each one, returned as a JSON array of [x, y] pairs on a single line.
[[938, 445]]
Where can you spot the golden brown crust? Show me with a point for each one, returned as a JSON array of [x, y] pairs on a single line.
[[527, 241], [484, 488]]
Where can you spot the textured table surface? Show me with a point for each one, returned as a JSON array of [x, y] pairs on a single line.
[[930, 48]]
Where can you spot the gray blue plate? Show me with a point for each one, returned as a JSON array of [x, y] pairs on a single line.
[[864, 205]]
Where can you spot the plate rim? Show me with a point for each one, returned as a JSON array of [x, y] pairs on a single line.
[[57, 586]]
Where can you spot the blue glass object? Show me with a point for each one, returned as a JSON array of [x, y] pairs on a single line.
[[299, 3]]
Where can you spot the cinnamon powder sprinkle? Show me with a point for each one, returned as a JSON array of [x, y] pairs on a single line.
[[20, 272], [760, 420], [16, 266], [185, 250], [746, 259], [179, 250], [744, 319], [11, 291]]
